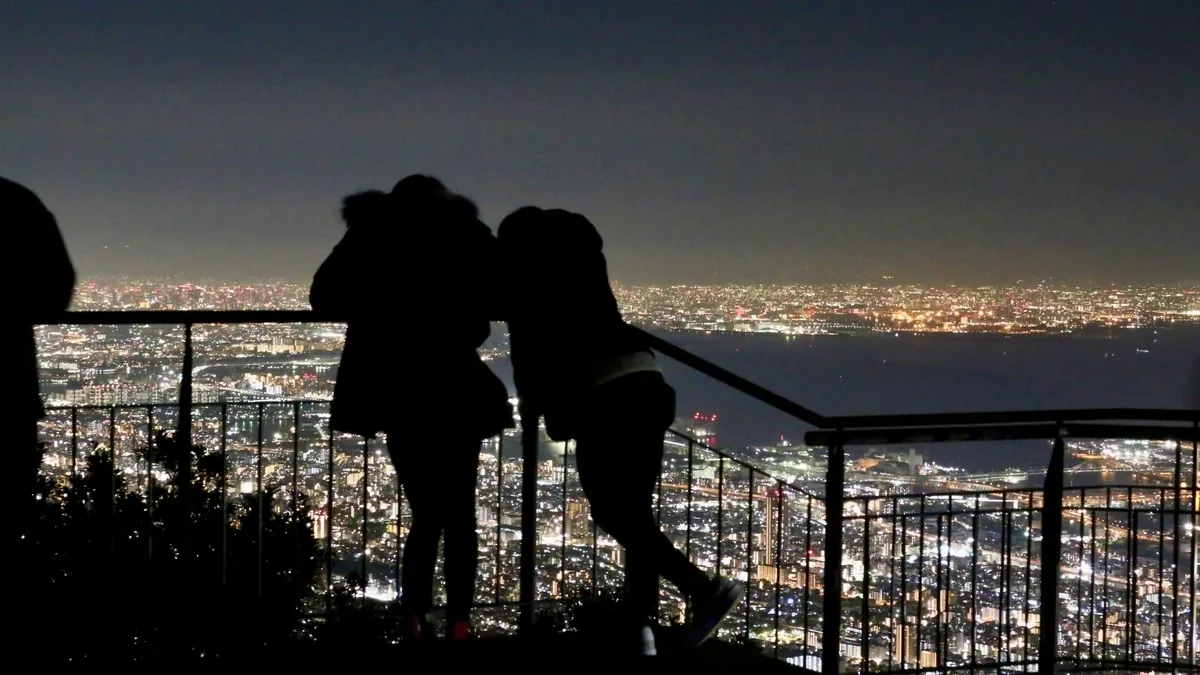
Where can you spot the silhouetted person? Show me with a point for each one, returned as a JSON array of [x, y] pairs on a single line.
[[41, 275], [577, 363], [424, 384]]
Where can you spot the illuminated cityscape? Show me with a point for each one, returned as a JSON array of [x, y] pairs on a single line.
[[966, 586]]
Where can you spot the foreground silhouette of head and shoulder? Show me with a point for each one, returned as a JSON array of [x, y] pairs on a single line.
[[46, 279]]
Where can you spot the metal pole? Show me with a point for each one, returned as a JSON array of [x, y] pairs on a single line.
[[831, 627], [1052, 504], [528, 573]]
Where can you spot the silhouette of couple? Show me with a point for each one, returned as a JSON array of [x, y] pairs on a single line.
[[574, 361]]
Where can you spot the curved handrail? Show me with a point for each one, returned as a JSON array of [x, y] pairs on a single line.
[[193, 317], [741, 463], [1003, 432]]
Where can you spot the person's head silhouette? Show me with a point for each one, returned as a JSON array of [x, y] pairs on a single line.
[[418, 185]]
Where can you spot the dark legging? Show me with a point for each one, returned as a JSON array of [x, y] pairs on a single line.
[[439, 481], [619, 463]]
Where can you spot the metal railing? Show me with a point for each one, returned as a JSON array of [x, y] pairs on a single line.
[[787, 544], [1078, 599]]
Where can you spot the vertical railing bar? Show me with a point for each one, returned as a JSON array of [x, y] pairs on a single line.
[[807, 574], [720, 509], [749, 552], [529, 492], [562, 545], [778, 557], [1162, 554], [920, 573], [1107, 539], [295, 520], [1002, 654], [893, 533], [938, 588], [1079, 580], [499, 512], [1192, 519], [866, 587], [1051, 556], [949, 571], [1092, 589], [903, 591], [687, 546], [1131, 520], [261, 500], [975, 583], [223, 482], [329, 526], [150, 483], [1175, 545], [835, 497], [688, 533], [112, 483], [183, 439], [362, 549], [596, 558], [74, 440], [1028, 579], [658, 501], [184, 424], [400, 548]]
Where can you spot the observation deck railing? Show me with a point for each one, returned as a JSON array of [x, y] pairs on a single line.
[[1117, 590]]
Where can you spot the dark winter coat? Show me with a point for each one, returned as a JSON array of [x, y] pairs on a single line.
[[410, 279]]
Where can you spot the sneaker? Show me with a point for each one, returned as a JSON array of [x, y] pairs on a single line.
[[458, 631], [647, 645], [710, 608]]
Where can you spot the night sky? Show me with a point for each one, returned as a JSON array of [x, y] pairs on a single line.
[[745, 141]]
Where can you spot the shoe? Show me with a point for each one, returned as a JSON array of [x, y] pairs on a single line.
[[709, 608], [647, 646], [458, 631]]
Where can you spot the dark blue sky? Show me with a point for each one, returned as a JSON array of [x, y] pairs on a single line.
[[709, 141]]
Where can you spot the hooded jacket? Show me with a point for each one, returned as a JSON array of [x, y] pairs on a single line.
[[406, 256], [563, 319]]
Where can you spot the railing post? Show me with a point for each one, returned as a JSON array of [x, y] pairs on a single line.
[[183, 440], [1052, 505], [183, 430], [831, 623], [528, 578]]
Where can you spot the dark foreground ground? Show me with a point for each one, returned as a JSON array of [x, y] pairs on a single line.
[[562, 654]]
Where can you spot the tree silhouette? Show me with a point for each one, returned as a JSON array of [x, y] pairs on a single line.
[[181, 573]]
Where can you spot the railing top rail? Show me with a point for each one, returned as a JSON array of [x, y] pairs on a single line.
[[180, 317], [844, 423], [1013, 417], [1005, 432], [183, 317]]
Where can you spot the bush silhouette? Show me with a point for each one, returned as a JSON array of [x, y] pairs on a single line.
[[182, 573]]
